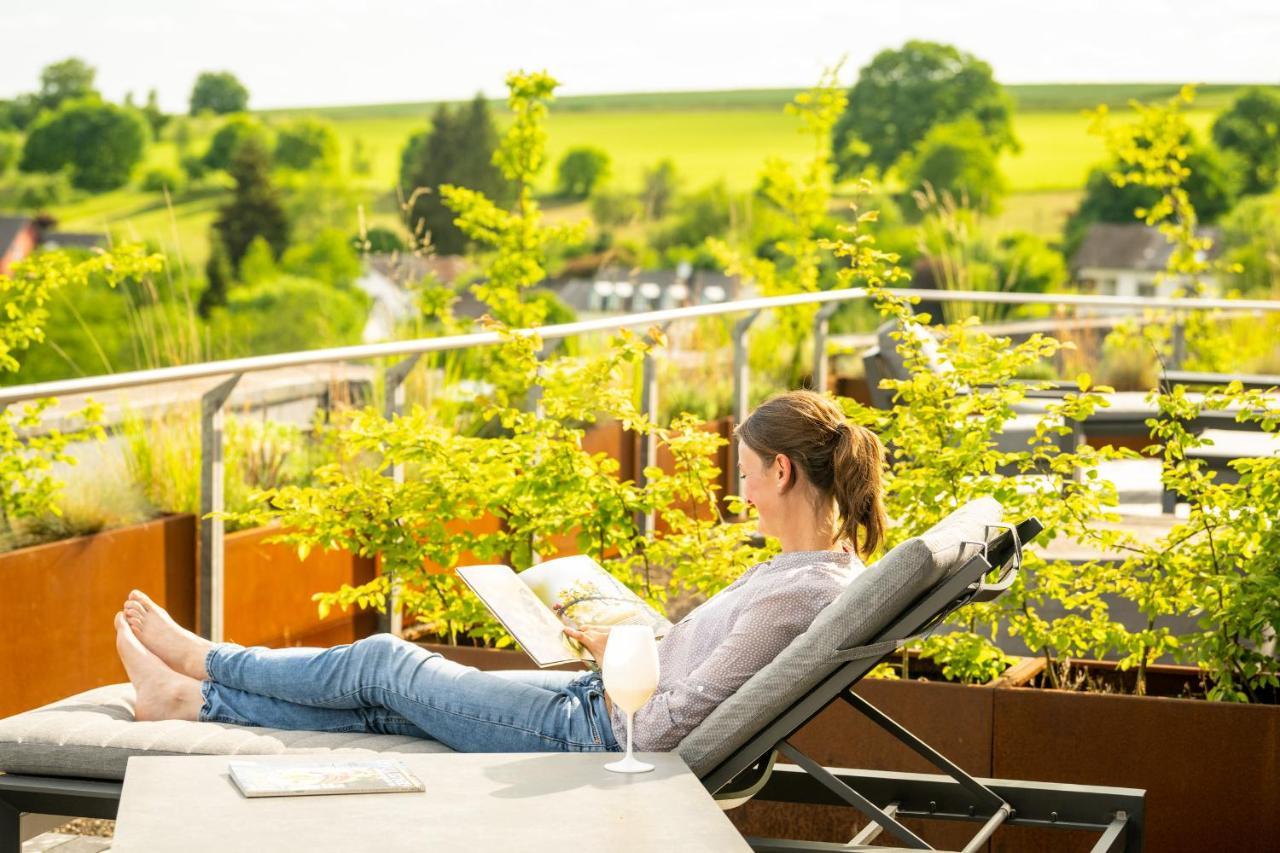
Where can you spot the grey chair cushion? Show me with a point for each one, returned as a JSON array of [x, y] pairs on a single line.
[[92, 735], [866, 607]]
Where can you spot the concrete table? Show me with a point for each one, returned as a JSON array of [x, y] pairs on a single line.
[[528, 802]]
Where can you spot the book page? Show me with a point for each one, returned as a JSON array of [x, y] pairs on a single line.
[[584, 594], [527, 619]]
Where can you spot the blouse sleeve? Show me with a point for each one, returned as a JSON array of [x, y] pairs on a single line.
[[763, 630]]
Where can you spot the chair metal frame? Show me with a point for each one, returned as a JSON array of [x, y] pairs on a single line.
[[1116, 813]]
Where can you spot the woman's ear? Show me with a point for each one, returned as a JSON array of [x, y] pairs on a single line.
[[785, 473]]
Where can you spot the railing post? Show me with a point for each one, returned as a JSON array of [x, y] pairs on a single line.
[[1179, 355], [212, 476], [821, 328], [391, 622], [647, 521], [741, 381]]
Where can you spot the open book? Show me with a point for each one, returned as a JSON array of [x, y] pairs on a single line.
[[536, 604]]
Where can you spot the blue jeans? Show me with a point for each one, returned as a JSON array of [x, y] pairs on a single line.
[[386, 685]]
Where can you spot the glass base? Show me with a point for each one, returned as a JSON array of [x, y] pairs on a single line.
[[629, 764]]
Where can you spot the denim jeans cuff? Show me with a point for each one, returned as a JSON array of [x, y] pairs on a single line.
[[202, 716]]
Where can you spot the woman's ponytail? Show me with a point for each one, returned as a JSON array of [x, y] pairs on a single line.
[[858, 460]]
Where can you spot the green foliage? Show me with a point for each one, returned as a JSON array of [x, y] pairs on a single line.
[[19, 113], [155, 116], [36, 192], [966, 657], [698, 217], [218, 92], [1251, 128], [660, 186], [162, 456], [903, 93], [68, 80], [255, 209], [330, 258], [1211, 188], [378, 240], [161, 178], [28, 453], [287, 314], [458, 150], [581, 170], [961, 251], [517, 238], [100, 142], [307, 144], [1251, 240], [234, 133], [957, 159], [611, 207], [794, 260], [10, 150], [218, 276], [259, 262]]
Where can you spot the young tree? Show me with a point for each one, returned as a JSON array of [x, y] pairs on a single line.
[[457, 150], [957, 159], [100, 142], [154, 115], [233, 133], [1251, 128], [218, 92], [68, 80], [254, 209], [660, 185], [903, 93], [581, 170], [217, 273], [307, 144]]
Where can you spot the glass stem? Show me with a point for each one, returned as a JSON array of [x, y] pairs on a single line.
[[630, 715]]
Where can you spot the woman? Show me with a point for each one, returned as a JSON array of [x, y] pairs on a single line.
[[814, 479]]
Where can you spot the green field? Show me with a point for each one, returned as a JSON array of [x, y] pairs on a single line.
[[709, 135]]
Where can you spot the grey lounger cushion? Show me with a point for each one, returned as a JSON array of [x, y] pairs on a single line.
[[868, 604], [92, 734]]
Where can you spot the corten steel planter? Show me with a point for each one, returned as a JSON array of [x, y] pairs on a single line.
[[58, 600], [268, 593], [1211, 769], [490, 660]]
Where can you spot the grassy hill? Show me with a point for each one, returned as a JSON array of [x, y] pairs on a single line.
[[709, 135]]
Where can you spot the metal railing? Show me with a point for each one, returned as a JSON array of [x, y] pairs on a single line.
[[230, 371]]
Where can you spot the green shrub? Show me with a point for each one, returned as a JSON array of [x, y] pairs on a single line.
[[10, 150], [161, 178], [37, 191], [288, 314], [307, 144], [100, 142]]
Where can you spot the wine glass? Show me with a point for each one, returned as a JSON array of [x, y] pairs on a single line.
[[630, 669]]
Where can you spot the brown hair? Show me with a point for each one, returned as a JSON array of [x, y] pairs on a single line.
[[843, 460]]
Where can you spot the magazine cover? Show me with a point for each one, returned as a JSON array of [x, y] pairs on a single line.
[[266, 778]]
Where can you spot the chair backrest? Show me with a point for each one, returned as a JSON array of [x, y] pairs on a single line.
[[871, 601]]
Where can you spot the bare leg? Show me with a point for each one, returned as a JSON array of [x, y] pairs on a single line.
[[162, 694], [181, 650]]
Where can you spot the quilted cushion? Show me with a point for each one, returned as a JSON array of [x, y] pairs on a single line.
[[92, 735]]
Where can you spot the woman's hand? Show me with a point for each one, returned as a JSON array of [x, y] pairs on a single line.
[[593, 639]]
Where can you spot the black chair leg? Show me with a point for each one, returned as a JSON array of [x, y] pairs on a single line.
[[10, 829]]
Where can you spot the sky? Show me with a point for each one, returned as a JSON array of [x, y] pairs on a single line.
[[332, 52]]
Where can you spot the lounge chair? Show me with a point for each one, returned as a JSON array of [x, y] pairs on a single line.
[[69, 757]]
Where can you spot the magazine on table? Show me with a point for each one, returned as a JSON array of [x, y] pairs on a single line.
[[535, 605], [267, 778]]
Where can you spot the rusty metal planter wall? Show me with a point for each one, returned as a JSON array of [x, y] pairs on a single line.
[[57, 602]]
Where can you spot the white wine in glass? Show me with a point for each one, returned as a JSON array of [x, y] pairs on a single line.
[[630, 669]]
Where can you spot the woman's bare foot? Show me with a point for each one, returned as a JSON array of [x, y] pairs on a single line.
[[162, 694], [181, 650]]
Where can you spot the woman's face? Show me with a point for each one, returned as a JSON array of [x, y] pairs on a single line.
[[761, 482]]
